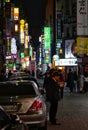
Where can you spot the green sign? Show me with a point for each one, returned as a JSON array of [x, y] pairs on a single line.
[[47, 38], [22, 54]]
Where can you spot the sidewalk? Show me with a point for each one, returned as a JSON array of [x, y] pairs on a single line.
[[72, 112]]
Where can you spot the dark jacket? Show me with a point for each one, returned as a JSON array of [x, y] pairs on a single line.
[[70, 79], [52, 90]]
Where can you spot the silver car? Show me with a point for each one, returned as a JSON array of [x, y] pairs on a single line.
[[23, 98], [23, 76]]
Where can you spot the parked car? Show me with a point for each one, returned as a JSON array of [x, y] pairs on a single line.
[[20, 76], [11, 122], [17, 74], [23, 76], [24, 99]]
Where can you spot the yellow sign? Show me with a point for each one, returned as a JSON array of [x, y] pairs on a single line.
[[82, 45], [16, 13], [7, 1]]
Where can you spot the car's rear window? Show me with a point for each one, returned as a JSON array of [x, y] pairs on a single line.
[[13, 89]]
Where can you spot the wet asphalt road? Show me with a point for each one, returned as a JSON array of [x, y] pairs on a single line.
[[72, 112]]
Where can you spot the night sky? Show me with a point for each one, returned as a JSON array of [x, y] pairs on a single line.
[[34, 12]]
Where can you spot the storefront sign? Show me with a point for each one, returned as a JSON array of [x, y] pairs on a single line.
[[82, 17], [68, 48], [66, 62], [82, 45]]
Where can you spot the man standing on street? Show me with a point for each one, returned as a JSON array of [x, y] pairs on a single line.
[[53, 97]]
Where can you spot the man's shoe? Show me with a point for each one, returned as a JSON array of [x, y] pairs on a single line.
[[55, 123]]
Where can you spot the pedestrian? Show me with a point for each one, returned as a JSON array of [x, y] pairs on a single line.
[[75, 81], [53, 96], [80, 81], [70, 80], [47, 79], [85, 87], [9, 74], [61, 84]]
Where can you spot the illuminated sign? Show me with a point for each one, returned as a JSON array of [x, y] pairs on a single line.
[[82, 17], [26, 35], [7, 0], [47, 46], [22, 54], [26, 28], [66, 62], [47, 58], [26, 41], [68, 48], [16, 13], [47, 38], [82, 45], [16, 27], [22, 34], [13, 46], [8, 57]]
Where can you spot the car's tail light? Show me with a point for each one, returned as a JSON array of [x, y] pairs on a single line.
[[37, 105]]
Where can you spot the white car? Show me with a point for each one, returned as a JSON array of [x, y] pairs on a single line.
[[24, 99]]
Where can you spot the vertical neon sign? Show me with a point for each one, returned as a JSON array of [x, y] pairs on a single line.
[[47, 46]]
